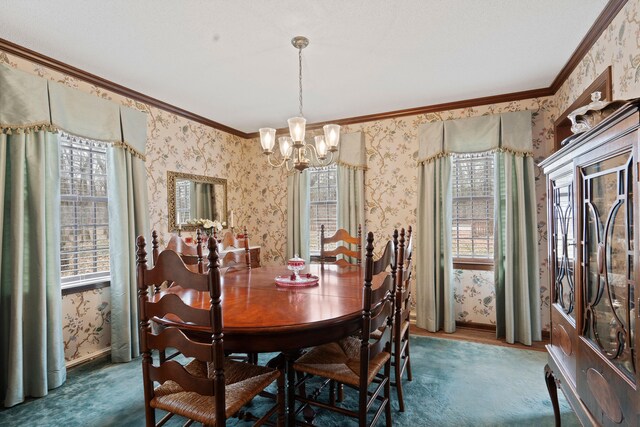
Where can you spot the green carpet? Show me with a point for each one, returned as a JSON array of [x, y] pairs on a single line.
[[455, 383]]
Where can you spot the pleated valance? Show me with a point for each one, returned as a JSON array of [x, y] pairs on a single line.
[[24, 100], [509, 132], [28, 101], [353, 153]]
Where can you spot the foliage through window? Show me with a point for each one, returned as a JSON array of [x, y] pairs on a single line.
[[84, 213], [323, 204], [472, 197]]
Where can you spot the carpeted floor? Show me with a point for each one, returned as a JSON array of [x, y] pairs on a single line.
[[455, 383]]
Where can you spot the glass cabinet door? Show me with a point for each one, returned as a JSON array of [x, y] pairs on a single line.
[[563, 244], [607, 262]]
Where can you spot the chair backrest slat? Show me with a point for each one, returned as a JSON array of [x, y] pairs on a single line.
[[386, 288], [238, 260], [380, 314], [170, 267], [386, 260], [343, 236], [342, 250], [191, 255], [174, 371], [175, 338], [171, 303]]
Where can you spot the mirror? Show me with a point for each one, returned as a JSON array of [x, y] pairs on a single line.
[[193, 197]]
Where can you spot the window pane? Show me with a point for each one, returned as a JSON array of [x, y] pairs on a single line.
[[472, 198], [84, 222], [323, 209]]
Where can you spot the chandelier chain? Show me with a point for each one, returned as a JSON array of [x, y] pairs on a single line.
[[300, 78]]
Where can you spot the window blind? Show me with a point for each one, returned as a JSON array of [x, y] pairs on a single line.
[[84, 228], [472, 206], [323, 205]]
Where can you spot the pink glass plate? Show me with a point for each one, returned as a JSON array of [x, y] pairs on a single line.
[[303, 282]]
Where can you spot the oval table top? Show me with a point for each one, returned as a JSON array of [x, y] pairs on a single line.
[[262, 317]]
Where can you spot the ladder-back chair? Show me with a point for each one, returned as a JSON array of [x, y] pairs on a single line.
[[208, 388], [401, 356], [356, 361]]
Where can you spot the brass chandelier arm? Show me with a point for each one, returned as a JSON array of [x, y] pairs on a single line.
[[319, 162], [270, 159]]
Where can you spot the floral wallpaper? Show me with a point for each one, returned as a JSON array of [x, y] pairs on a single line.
[[173, 143], [619, 46], [391, 180], [391, 194], [258, 195], [86, 323], [475, 296]]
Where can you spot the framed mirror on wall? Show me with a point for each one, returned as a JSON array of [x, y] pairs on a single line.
[[195, 196]]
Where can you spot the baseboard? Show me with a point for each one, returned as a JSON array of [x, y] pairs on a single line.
[[474, 325], [88, 357], [482, 326]]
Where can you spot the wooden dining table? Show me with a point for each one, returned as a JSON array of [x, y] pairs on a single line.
[[260, 316]]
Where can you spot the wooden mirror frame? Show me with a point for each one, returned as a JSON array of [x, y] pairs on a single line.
[[171, 196]]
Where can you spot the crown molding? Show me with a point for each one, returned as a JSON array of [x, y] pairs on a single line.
[[72, 71], [605, 18], [485, 100]]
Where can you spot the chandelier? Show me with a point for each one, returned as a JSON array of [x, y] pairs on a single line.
[[294, 151]]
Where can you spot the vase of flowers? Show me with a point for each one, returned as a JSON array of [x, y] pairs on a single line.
[[210, 228]]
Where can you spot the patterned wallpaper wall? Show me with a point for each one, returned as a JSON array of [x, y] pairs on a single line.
[[619, 46], [257, 194], [390, 194], [391, 181], [173, 143]]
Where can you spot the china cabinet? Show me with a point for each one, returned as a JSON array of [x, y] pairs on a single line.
[[592, 217]]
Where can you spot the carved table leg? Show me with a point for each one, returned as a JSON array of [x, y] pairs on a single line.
[[553, 392]]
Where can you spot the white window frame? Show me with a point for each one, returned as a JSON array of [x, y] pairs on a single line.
[[481, 178], [329, 231], [86, 279]]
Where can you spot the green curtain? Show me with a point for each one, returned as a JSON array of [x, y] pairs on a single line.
[[128, 218], [434, 266], [351, 166], [31, 347], [204, 201], [516, 250], [298, 215]]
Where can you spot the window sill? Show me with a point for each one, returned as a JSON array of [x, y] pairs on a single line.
[[85, 285], [472, 264]]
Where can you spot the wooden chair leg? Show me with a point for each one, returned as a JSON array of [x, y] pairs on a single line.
[[409, 376], [332, 392], [281, 401], [398, 378], [340, 392], [387, 393], [291, 397]]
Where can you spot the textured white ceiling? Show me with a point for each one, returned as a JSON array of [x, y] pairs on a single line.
[[232, 61]]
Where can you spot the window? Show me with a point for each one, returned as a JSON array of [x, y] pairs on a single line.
[[84, 211], [323, 204], [473, 184], [183, 201]]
